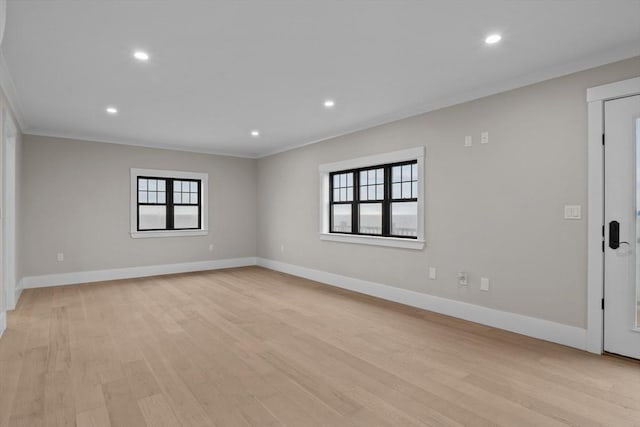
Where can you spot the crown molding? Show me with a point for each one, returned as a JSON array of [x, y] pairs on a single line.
[[78, 137]]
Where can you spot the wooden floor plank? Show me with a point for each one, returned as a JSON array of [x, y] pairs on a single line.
[[157, 412], [253, 347], [60, 408], [122, 405], [28, 402], [98, 417]]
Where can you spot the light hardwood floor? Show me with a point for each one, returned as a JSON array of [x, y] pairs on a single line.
[[252, 347]]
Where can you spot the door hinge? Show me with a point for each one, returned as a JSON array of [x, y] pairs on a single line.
[[603, 246], [603, 303], [603, 139], [602, 230]]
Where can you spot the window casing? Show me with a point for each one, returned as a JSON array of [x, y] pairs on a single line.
[[374, 200], [168, 203]]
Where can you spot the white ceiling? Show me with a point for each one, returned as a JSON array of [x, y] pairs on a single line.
[[219, 69]]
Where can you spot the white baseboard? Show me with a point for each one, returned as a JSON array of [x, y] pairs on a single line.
[[537, 328], [3, 322], [130, 272]]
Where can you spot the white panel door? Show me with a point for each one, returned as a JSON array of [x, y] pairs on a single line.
[[622, 226]]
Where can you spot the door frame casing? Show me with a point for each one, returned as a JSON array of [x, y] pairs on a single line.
[[596, 97], [8, 219]]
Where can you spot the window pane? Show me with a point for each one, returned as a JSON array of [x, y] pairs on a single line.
[[161, 197], [349, 194], [371, 218], [406, 190], [414, 172], [142, 184], [161, 185], [177, 198], [414, 190], [152, 217], [151, 197], [404, 219], [342, 218], [194, 187], [363, 178], [343, 180], [343, 194], [396, 173], [379, 176], [372, 176], [336, 195], [349, 180], [185, 186], [152, 184], [397, 191], [372, 192], [379, 192], [363, 193], [194, 198], [142, 197], [177, 186], [336, 181], [185, 217], [406, 173]]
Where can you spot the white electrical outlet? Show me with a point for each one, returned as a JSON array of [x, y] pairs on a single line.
[[463, 278], [484, 138], [484, 284], [60, 257], [432, 273], [468, 141]]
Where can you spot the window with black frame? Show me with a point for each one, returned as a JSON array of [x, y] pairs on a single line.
[[378, 200], [168, 204]]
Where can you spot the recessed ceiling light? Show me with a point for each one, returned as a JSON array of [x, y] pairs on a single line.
[[255, 133], [112, 110], [329, 103], [493, 39], [141, 55]]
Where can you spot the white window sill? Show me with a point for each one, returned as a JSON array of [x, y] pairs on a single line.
[[169, 233], [394, 242]]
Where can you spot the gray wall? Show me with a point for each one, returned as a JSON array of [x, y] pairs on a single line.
[[76, 201], [494, 210]]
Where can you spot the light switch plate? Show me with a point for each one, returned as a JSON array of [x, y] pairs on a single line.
[[432, 273], [484, 138], [484, 284], [572, 212], [468, 141]]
